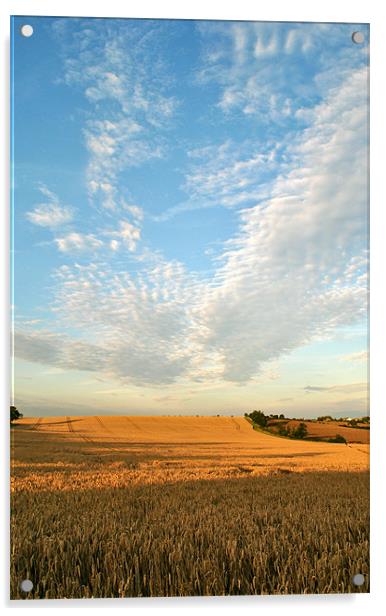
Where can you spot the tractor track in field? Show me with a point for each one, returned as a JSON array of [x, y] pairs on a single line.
[[88, 439], [358, 449], [85, 438], [37, 423], [103, 425], [141, 430], [132, 423], [237, 426]]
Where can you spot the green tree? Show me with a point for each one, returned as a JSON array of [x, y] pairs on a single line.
[[300, 431], [15, 414], [258, 418]]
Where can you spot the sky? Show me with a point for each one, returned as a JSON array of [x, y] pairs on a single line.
[[190, 217]]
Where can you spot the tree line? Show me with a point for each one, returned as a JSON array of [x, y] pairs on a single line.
[[259, 419]]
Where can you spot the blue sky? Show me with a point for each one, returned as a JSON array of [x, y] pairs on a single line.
[[190, 217]]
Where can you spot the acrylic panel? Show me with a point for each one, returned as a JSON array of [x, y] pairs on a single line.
[[189, 409]]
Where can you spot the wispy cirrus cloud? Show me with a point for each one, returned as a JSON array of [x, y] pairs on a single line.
[[228, 175], [114, 147], [135, 211], [124, 83], [294, 267], [358, 356], [54, 216], [255, 65], [350, 388], [283, 279], [51, 213], [273, 98], [78, 242], [294, 272]]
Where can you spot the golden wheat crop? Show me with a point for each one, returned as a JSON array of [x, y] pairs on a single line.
[[321, 429], [177, 506], [78, 452]]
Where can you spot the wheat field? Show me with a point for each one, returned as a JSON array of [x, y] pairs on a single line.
[[177, 506], [322, 429], [77, 452]]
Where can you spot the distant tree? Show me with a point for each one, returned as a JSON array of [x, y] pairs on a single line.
[[281, 416], [15, 414], [338, 439], [258, 418], [300, 431], [284, 431]]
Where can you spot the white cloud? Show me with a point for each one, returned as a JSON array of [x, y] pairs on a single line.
[[260, 68], [54, 215], [294, 271], [240, 40], [299, 41], [51, 196], [127, 233], [135, 211], [142, 323], [230, 175], [283, 279], [262, 48], [114, 147], [106, 85], [291, 39], [58, 350], [359, 356], [100, 144], [125, 83], [78, 242], [350, 388], [50, 214]]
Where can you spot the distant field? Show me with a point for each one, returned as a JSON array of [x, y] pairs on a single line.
[[77, 452], [329, 429], [176, 506]]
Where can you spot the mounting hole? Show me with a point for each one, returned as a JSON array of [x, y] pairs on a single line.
[[26, 586], [358, 579], [358, 38], [27, 30]]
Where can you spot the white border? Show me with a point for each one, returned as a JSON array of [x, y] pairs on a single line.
[[279, 10], [276, 10]]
